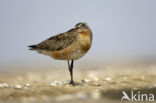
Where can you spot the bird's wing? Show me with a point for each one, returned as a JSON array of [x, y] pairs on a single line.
[[57, 42]]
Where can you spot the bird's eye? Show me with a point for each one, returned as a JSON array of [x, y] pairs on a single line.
[[76, 27]]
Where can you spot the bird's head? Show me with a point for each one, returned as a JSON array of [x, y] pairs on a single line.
[[82, 27]]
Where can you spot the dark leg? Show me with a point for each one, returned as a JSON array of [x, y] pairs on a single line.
[[71, 72], [70, 66]]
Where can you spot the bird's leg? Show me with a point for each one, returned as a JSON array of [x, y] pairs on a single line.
[[71, 72], [70, 67]]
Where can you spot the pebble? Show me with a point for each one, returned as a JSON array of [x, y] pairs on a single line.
[[11, 86], [68, 81], [18, 86], [26, 84], [85, 80], [125, 78], [4, 85], [108, 78], [54, 83]]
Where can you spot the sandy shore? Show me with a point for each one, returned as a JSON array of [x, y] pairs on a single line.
[[104, 84]]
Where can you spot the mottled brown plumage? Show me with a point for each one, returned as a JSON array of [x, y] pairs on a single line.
[[57, 42], [70, 45]]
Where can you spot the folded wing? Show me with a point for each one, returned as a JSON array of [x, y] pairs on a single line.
[[57, 42]]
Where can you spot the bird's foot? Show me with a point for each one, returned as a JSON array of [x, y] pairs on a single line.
[[72, 83]]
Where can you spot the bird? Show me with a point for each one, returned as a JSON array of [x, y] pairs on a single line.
[[69, 46]]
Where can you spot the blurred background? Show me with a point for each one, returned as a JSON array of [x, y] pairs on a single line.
[[122, 57], [122, 30]]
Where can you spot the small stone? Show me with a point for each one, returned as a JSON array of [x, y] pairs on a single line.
[[125, 78], [4, 85], [85, 80], [26, 84], [54, 83], [108, 78], [68, 81], [18, 86], [11, 86]]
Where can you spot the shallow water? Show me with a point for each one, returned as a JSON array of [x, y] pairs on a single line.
[[103, 84]]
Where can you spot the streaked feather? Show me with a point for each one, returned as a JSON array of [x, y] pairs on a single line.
[[57, 42]]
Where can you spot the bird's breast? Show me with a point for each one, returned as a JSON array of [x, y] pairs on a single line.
[[85, 41]]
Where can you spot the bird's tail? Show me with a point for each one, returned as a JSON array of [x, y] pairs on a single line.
[[32, 47]]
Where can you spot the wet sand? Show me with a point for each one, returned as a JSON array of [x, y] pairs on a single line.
[[93, 85]]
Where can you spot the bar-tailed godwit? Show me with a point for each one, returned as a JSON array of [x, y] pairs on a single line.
[[70, 45]]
